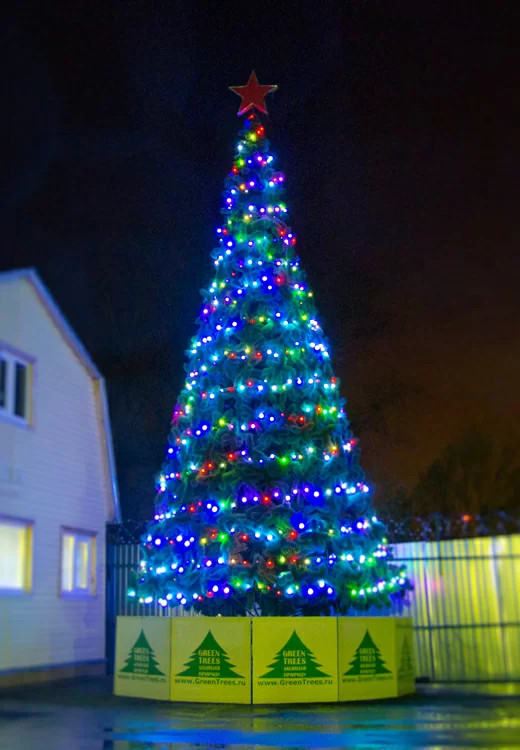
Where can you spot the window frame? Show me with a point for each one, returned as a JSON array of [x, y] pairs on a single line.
[[28, 527], [79, 535], [13, 357]]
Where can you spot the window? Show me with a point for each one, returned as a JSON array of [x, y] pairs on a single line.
[[14, 386], [78, 550], [15, 554]]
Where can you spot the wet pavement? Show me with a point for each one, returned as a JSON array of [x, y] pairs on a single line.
[[84, 715]]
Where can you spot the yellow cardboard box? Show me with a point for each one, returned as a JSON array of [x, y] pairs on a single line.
[[142, 664], [406, 659], [211, 659], [294, 660], [370, 650]]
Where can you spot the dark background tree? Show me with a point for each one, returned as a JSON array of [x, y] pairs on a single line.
[[475, 475]]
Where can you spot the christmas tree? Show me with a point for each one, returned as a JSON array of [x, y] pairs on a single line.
[[141, 659], [367, 659], [261, 503], [209, 660], [294, 660]]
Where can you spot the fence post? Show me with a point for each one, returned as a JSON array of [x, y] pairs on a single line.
[[110, 619]]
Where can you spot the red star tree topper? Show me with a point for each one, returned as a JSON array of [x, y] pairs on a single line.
[[253, 95]]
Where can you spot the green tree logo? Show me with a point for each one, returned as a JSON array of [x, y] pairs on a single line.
[[141, 659], [294, 660], [367, 659], [209, 660], [406, 666]]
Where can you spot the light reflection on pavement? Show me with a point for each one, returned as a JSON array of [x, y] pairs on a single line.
[[85, 716]]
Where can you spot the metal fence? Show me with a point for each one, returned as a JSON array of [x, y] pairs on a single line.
[[465, 605]]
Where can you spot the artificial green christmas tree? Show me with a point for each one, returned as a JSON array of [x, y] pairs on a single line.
[[261, 503], [367, 659], [141, 659], [294, 660], [209, 660]]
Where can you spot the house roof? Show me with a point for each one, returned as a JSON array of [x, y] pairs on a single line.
[[32, 277]]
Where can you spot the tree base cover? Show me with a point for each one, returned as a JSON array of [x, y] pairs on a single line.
[[265, 660]]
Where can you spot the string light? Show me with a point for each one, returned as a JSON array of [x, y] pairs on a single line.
[[261, 493]]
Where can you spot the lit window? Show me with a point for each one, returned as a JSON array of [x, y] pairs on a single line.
[[78, 550], [15, 554], [14, 386]]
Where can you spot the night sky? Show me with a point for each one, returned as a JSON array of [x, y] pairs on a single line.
[[395, 125]]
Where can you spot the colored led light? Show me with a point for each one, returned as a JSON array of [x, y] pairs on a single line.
[[258, 371]]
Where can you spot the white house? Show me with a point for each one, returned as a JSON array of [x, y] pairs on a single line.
[[57, 490]]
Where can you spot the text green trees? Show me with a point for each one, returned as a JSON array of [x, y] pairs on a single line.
[[141, 659], [367, 659], [209, 660], [294, 660]]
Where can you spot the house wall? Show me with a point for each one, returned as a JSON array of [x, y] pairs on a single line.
[[53, 473]]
